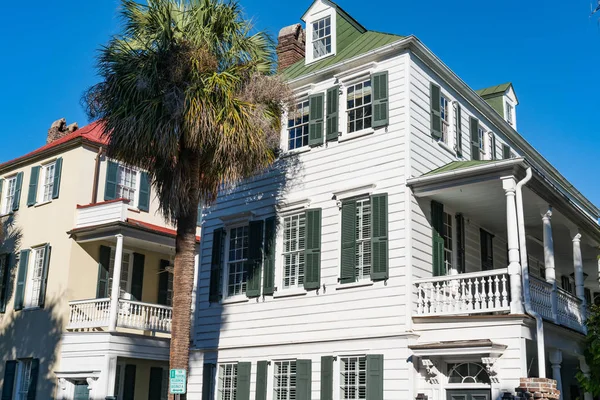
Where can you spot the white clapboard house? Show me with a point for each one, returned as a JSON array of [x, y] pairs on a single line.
[[408, 242]]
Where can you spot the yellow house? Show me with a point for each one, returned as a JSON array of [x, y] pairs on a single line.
[[72, 220]]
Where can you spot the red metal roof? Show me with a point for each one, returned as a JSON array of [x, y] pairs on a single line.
[[92, 132], [152, 227]]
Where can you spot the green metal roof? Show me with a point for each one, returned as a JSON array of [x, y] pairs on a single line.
[[362, 43], [494, 90], [456, 165]]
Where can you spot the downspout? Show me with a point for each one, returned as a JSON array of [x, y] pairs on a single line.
[[525, 276], [96, 176]]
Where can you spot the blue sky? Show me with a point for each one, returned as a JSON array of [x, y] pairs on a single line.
[[550, 50]]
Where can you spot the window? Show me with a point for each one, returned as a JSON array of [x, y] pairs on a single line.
[[238, 255], [48, 172], [284, 385], [126, 183], [482, 141], [119, 381], [363, 239], [321, 37], [353, 378], [125, 272], [448, 242], [358, 104], [509, 113], [445, 114], [227, 381], [298, 126], [23, 379], [566, 284], [294, 236], [467, 373], [34, 277], [537, 268], [10, 185]]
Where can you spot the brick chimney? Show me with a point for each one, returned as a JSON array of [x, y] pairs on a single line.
[[290, 46], [59, 128]]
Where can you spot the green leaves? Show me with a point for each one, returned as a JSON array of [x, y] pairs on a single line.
[[591, 383]]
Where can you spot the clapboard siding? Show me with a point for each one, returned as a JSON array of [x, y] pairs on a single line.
[[331, 313]]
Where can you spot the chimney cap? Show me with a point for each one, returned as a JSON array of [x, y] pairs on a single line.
[[290, 30]]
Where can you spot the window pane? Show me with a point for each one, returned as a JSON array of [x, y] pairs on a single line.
[[358, 103]]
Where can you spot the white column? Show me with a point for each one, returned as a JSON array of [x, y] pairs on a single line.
[[585, 369], [556, 361], [514, 267], [109, 374], [549, 260], [578, 267], [116, 279]]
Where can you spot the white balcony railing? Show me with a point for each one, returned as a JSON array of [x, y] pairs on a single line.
[[95, 314], [471, 293], [569, 310], [541, 297], [101, 213]]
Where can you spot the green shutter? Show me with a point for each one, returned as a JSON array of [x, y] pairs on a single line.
[[155, 383], [21, 277], [144, 198], [254, 263], [44, 282], [379, 81], [505, 151], [327, 378], [208, 381], [332, 120], [33, 183], [315, 119], [379, 237], [242, 391], [17, 198], [486, 240], [137, 276], [312, 251], [33, 379], [436, 113], [269, 263], [458, 131], [261, 380], [492, 146], [10, 371], [110, 185], [437, 233], [129, 382], [103, 275], [57, 176], [303, 379], [216, 265], [474, 128], [163, 282], [4, 279], [348, 256], [375, 377], [460, 243]]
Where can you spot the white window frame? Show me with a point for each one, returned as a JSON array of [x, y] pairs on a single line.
[[220, 381], [481, 131], [23, 367], [321, 41], [328, 12], [509, 111], [136, 197], [301, 100], [43, 186], [300, 269], [274, 380], [6, 185], [447, 121], [225, 278], [346, 111], [124, 292], [33, 283], [337, 381], [360, 269]]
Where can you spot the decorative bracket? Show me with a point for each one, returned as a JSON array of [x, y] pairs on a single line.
[[432, 372], [489, 366], [91, 381], [63, 383]]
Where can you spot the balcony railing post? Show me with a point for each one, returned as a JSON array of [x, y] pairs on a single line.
[[116, 279], [514, 267], [549, 259]]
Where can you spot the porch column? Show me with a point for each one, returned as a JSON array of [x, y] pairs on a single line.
[[549, 260], [585, 369], [578, 266], [556, 361], [514, 267], [116, 279]]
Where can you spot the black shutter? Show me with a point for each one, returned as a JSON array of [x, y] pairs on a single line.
[[163, 282], [437, 234], [10, 370], [144, 197], [269, 263], [5, 260], [458, 123], [435, 111], [44, 282], [57, 176], [331, 116], [137, 276], [315, 119], [380, 106], [261, 380], [129, 382], [102, 289], [327, 378], [110, 185], [312, 250], [303, 379], [21, 277], [379, 237], [216, 265], [460, 243], [17, 198], [487, 250], [155, 383], [492, 146], [33, 183], [244, 370], [375, 377], [254, 263], [505, 151], [474, 128], [208, 381]]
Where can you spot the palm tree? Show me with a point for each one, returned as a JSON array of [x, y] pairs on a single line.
[[188, 93]]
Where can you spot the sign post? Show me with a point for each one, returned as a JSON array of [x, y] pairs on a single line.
[[177, 381]]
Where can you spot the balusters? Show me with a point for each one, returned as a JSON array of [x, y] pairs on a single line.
[[504, 292], [497, 292]]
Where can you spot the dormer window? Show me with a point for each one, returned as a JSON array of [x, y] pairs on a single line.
[[509, 113], [321, 37]]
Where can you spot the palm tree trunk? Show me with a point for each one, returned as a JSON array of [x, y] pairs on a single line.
[[183, 281]]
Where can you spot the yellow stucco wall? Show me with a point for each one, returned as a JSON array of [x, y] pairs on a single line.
[[142, 375]]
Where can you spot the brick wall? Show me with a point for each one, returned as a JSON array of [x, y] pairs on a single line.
[[537, 388], [290, 46]]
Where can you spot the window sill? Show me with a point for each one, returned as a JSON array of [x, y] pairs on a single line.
[[354, 285], [6, 214], [30, 308], [354, 135], [444, 146], [42, 203], [235, 300], [134, 209], [290, 153], [289, 293]]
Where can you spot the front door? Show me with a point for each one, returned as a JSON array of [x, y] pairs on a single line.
[[468, 394], [81, 392]]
